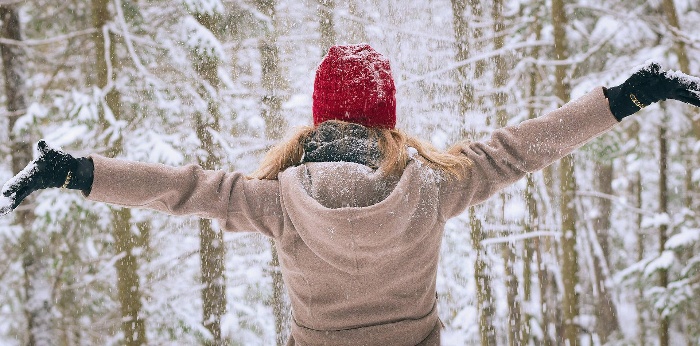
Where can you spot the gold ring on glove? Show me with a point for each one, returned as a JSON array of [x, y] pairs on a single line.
[[636, 101], [68, 178]]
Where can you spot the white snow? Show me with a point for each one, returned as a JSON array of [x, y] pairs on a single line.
[[690, 81], [67, 134], [520, 237], [664, 261], [656, 220], [5, 205], [201, 40], [646, 66], [35, 112], [684, 239], [603, 27], [515, 210], [298, 101], [28, 170], [412, 152], [210, 7]]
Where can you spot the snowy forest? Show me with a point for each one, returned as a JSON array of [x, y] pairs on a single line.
[[600, 248]]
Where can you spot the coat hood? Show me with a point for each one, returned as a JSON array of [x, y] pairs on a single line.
[[341, 211]]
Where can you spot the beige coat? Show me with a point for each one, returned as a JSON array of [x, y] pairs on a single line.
[[359, 254]]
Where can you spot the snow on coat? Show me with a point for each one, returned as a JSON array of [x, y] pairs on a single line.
[[359, 253]]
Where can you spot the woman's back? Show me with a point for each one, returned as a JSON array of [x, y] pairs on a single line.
[[364, 265]]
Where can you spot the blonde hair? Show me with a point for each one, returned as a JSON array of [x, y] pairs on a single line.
[[393, 144]]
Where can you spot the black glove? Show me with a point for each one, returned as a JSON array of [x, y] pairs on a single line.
[[650, 84], [52, 168]]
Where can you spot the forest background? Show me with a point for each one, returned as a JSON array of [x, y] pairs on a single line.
[[599, 248]]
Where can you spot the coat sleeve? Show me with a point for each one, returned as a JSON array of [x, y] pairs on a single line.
[[239, 203], [513, 151]]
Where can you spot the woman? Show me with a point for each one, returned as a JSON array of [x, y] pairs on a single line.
[[356, 208]]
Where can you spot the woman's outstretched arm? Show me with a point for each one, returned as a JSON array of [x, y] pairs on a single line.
[[513, 151], [239, 203]]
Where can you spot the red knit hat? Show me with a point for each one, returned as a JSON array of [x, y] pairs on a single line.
[[354, 84]]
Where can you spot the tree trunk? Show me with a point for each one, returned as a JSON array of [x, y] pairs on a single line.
[[467, 40], [212, 256], [128, 283], [467, 101], [606, 311], [476, 33], [544, 280], [500, 98], [484, 295], [38, 305], [669, 8], [640, 257], [570, 266], [272, 83], [356, 31], [531, 223], [275, 126], [691, 161], [681, 53], [327, 27], [664, 321], [501, 71], [515, 333], [212, 252], [280, 306], [461, 28]]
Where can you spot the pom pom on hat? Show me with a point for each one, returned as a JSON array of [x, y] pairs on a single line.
[[354, 84]]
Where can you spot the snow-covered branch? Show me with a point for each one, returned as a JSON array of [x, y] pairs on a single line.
[[478, 57], [55, 39], [614, 199], [519, 237]]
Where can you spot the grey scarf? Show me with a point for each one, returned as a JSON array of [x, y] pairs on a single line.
[[342, 142]]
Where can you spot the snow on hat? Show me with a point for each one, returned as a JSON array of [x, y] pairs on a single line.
[[354, 84]]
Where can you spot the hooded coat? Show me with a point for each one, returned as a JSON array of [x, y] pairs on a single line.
[[359, 252]]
